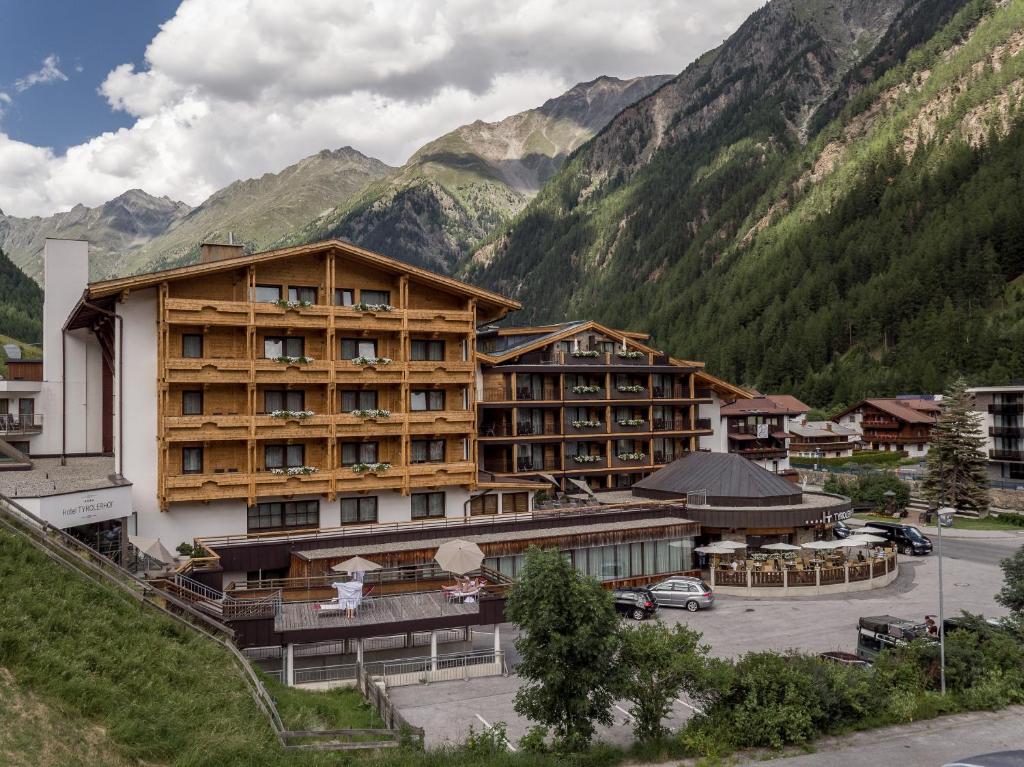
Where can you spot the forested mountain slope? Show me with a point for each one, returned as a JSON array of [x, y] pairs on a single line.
[[21, 304], [868, 254], [456, 190]]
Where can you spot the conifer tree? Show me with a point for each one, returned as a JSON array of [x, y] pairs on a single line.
[[957, 473]]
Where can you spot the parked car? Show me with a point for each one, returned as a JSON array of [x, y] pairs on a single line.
[[907, 538], [638, 603], [995, 759], [678, 591], [841, 531]]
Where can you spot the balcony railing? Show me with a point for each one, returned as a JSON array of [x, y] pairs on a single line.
[[1006, 431], [601, 393], [671, 424], [1016, 456], [529, 394], [531, 464], [31, 423], [1007, 408], [670, 392]]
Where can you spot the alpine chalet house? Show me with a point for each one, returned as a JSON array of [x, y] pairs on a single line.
[[758, 429], [583, 406], [900, 424]]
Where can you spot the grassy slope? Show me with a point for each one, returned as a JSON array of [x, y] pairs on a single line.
[[27, 352]]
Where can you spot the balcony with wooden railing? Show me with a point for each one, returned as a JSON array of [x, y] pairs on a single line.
[[441, 421], [1012, 456], [1007, 431], [442, 371], [438, 474]]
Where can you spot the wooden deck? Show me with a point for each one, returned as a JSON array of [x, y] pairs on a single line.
[[400, 608]]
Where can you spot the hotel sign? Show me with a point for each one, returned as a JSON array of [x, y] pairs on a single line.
[[86, 507]]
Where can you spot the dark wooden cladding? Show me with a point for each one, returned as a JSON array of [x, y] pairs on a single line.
[[273, 555]]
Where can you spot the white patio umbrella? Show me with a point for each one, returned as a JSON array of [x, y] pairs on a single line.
[[730, 544], [849, 543], [152, 548], [714, 550], [820, 545], [355, 565], [780, 547], [459, 556], [868, 530], [867, 538]]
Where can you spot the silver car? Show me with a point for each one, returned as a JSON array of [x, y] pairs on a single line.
[[678, 591]]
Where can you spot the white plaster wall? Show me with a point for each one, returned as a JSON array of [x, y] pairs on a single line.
[[716, 442], [138, 461], [185, 521]]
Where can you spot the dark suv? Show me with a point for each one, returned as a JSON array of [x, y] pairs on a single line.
[[908, 539], [638, 603]]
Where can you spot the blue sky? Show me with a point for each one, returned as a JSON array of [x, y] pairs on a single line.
[[92, 35], [182, 97]]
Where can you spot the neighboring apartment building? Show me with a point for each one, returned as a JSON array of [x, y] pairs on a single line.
[[1002, 410], [900, 424], [821, 439], [579, 403], [758, 429]]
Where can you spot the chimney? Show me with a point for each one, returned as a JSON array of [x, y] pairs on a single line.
[[210, 251]]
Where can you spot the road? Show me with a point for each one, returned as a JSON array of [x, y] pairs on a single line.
[[921, 744], [737, 625]]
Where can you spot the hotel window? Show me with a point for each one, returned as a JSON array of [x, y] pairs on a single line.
[[375, 296], [426, 400], [299, 293], [191, 403], [483, 504], [514, 503], [354, 347], [427, 350], [191, 345], [344, 296], [5, 406], [355, 510], [426, 505], [283, 346], [281, 399], [278, 514], [358, 400], [284, 456], [267, 293], [191, 460], [427, 451], [358, 452]]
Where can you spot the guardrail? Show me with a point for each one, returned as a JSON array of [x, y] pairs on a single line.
[[345, 672]]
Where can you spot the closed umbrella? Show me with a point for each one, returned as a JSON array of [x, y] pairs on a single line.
[[355, 565], [459, 556], [781, 547], [152, 548]]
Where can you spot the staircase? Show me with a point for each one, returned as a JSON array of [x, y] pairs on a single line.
[[193, 592]]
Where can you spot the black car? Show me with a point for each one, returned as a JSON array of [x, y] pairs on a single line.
[[907, 538], [638, 603], [841, 531]]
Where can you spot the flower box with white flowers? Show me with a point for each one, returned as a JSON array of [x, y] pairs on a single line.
[[630, 354], [585, 389], [590, 354], [284, 359], [631, 457], [631, 422], [286, 304], [631, 388], [370, 468], [587, 458], [295, 471], [292, 415], [587, 424], [361, 307], [371, 361], [372, 413]]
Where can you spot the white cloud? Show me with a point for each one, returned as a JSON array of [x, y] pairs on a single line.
[[48, 73], [5, 101], [236, 88]]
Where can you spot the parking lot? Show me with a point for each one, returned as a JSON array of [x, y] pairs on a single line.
[[736, 625]]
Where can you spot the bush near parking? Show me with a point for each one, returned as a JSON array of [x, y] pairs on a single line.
[[871, 488]]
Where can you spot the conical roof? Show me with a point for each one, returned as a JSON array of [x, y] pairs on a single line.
[[728, 479]]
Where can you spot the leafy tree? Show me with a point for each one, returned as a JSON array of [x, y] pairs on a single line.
[[658, 663], [570, 634], [1011, 596], [957, 473]]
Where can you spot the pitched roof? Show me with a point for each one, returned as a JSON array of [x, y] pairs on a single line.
[[722, 476], [758, 406], [789, 401], [896, 408], [499, 304], [722, 386], [819, 429], [547, 334]]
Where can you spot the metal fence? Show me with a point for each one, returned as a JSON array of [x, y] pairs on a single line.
[[338, 673]]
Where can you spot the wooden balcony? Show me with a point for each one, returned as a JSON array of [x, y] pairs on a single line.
[[441, 421], [348, 425], [600, 394], [629, 463], [442, 371], [440, 321], [201, 311], [590, 431], [348, 319], [314, 427], [438, 474], [204, 487], [644, 393], [347, 373], [267, 315], [1013, 456], [271, 371], [203, 428], [618, 428], [208, 370], [349, 481], [268, 483]]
